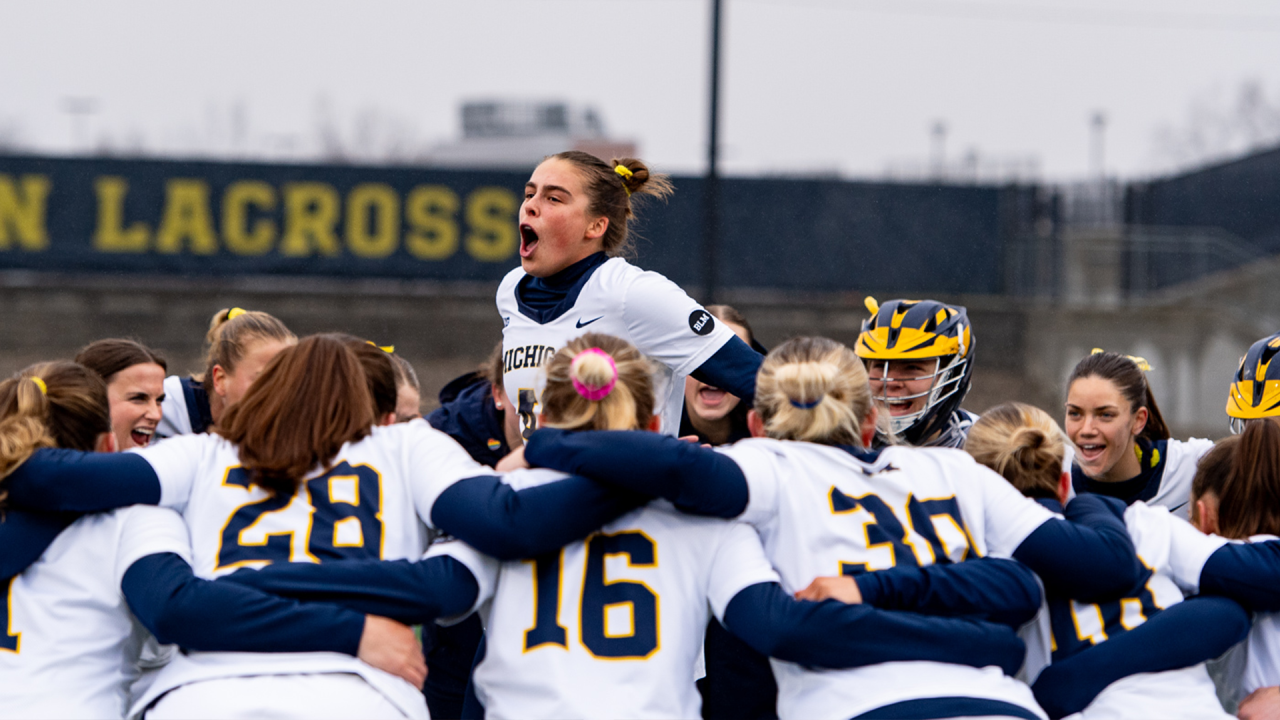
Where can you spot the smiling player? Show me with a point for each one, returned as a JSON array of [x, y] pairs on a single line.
[[134, 374], [919, 358], [1122, 444], [573, 279]]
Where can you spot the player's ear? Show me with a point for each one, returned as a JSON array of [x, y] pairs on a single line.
[[540, 421], [655, 424], [755, 423], [868, 429], [388, 419], [106, 443], [498, 396], [218, 378], [1140, 420], [596, 228], [1207, 514], [1064, 487]]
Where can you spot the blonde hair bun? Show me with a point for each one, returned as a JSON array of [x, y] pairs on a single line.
[[813, 389], [598, 382], [1023, 444]]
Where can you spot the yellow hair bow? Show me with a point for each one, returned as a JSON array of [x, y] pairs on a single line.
[[1142, 363], [39, 381], [234, 313], [625, 173], [388, 349]]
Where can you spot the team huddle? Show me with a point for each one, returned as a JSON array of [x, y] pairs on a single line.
[[631, 510]]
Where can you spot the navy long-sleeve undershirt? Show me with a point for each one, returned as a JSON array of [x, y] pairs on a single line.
[[483, 511], [511, 524], [992, 589], [1186, 634], [695, 479], [831, 634], [61, 480], [820, 634], [1088, 557], [1092, 556], [1248, 573], [415, 593], [734, 368], [177, 607]]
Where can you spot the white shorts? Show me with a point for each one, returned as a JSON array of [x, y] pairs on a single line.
[[317, 695]]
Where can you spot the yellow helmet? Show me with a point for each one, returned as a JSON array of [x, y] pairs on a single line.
[[921, 330], [1255, 393]]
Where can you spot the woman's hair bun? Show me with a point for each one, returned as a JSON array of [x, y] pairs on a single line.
[[806, 383]]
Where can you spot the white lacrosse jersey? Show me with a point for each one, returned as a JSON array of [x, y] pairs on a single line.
[[178, 414], [1176, 553], [70, 647], [1255, 662], [370, 503], [823, 511], [610, 626], [619, 299], [1173, 467]]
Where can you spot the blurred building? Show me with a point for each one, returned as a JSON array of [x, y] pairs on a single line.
[[503, 134]]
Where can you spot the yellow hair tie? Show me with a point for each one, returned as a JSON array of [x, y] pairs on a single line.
[[872, 306], [44, 389], [234, 313], [388, 349], [1142, 363], [625, 173]]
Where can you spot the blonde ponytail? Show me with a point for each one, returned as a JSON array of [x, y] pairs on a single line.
[[233, 330], [1023, 444], [598, 382], [813, 389], [54, 404]]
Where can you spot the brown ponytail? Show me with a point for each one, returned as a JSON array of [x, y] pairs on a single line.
[[1249, 500], [310, 400]]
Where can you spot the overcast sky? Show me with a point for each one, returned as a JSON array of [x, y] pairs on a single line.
[[846, 86]]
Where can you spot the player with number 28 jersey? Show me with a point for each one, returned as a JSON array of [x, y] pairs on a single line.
[[366, 504]]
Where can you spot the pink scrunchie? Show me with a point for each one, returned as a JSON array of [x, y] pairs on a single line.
[[595, 394]]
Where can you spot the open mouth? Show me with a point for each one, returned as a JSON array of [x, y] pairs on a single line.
[[1090, 452], [712, 397], [899, 407], [528, 240], [142, 436]]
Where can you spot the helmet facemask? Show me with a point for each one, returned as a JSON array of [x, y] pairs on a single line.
[[947, 381]]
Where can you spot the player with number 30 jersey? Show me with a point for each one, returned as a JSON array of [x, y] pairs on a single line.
[[824, 506]]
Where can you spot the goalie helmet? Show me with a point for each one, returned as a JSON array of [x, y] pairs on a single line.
[[902, 331], [1255, 392]]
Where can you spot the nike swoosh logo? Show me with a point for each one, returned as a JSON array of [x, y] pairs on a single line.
[[584, 324]]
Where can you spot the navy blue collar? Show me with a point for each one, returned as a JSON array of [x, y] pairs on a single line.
[[544, 300], [1143, 486], [1051, 505], [863, 454], [197, 399]]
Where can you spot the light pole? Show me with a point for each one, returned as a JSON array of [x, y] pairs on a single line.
[[711, 189]]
